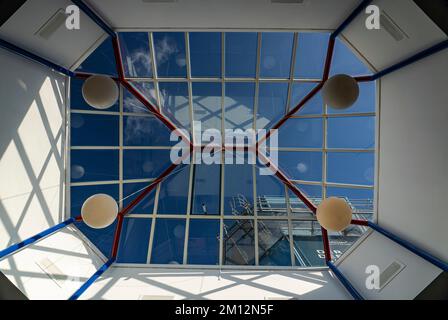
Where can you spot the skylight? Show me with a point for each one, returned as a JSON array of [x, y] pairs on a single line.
[[223, 214]]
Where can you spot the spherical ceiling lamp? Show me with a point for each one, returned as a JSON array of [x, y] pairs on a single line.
[[100, 92], [334, 214], [99, 211], [340, 92]]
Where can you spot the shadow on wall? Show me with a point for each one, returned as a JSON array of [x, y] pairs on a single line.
[[32, 141], [156, 284]]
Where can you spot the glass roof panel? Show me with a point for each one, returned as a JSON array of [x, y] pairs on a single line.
[[311, 54], [238, 242], [301, 165], [145, 131], [272, 101], [271, 200], [132, 104], [207, 104], [273, 243], [134, 240], [94, 165], [351, 132], [101, 60], [77, 101], [366, 101], [131, 191], [239, 105], [345, 61], [238, 190], [241, 54], [203, 243], [301, 133], [173, 194], [174, 103], [104, 126], [299, 91], [276, 54], [136, 56], [205, 51], [206, 186], [143, 164], [169, 238], [169, 50], [352, 168]]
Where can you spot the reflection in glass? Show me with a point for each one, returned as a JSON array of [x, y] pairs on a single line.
[[94, 165], [207, 104], [173, 195], [301, 133], [145, 131], [351, 132], [308, 247], [135, 54], [238, 189], [168, 243], [170, 54], [206, 186], [132, 104], [299, 91], [361, 200], [141, 164], [271, 104], [298, 208], [305, 166], [134, 241], [271, 200], [238, 242], [131, 191], [203, 242], [241, 54], [205, 52], [351, 168], [100, 61], [273, 243], [104, 126], [174, 103], [276, 54], [239, 105]]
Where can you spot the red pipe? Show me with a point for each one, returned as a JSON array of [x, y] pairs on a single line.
[[328, 59], [326, 242], [118, 59], [364, 78], [360, 222]]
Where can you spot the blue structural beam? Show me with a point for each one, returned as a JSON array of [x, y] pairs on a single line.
[[15, 49], [92, 15], [91, 280], [421, 253], [350, 18], [419, 56], [355, 294], [35, 238]]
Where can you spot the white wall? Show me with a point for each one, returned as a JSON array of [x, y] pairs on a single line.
[[145, 283], [227, 14], [31, 148], [53, 268]]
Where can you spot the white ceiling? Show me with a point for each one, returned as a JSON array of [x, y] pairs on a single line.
[[64, 47]]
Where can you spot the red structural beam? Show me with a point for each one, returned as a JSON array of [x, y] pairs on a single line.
[[360, 222]]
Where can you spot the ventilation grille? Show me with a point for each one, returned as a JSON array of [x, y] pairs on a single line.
[[390, 272], [392, 28], [53, 24]]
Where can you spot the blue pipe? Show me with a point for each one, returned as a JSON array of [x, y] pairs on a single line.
[[15, 49], [355, 294], [92, 15], [419, 56], [33, 239], [350, 18], [430, 258], [92, 279]]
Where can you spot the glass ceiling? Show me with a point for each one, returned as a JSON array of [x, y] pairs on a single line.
[[223, 214]]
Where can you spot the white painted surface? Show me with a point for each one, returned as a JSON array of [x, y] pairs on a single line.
[[379, 48], [53, 268], [145, 283], [228, 14], [65, 47], [31, 148]]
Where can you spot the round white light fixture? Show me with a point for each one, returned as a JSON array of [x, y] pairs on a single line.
[[100, 92], [334, 214], [99, 211], [340, 92]]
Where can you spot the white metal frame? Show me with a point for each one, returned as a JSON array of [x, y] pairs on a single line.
[[289, 218]]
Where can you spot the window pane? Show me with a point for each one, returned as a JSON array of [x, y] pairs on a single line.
[[239, 105], [271, 200], [205, 51], [305, 166], [77, 100], [361, 200], [101, 238], [134, 241], [170, 54], [168, 245], [238, 242], [271, 104], [93, 130], [173, 196], [207, 104], [174, 103], [101, 61], [203, 242], [132, 104], [351, 132], [132, 191], [346, 62], [238, 189], [135, 54], [206, 189], [273, 243], [241, 54], [145, 131], [298, 208], [311, 55], [142, 164], [350, 167], [94, 165], [366, 100], [299, 91], [276, 54], [308, 246], [301, 133]]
